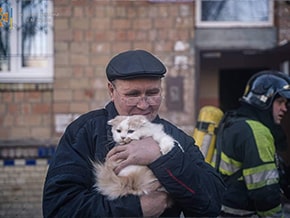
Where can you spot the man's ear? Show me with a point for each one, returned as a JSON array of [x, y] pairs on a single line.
[[110, 89]]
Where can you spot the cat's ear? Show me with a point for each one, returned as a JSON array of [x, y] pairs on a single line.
[[111, 122], [144, 120], [141, 119], [115, 120]]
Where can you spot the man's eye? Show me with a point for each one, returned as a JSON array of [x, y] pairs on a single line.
[[282, 101], [128, 95], [153, 93]]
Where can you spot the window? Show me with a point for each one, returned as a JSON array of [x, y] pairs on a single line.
[[234, 13], [26, 41]]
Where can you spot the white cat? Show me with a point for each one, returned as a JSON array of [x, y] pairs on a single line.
[[133, 179]]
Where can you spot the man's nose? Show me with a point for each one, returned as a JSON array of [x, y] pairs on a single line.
[[285, 107], [143, 104]]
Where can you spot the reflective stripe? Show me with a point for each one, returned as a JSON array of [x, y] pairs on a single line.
[[213, 160], [260, 168], [275, 212], [264, 140], [260, 173], [228, 166], [262, 184], [238, 212], [261, 176]]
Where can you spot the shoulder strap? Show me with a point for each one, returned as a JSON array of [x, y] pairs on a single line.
[[219, 136], [228, 118], [230, 179]]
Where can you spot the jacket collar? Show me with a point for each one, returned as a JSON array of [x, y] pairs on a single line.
[[112, 112]]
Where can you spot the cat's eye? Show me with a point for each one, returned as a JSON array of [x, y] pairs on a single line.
[[118, 130], [130, 131]]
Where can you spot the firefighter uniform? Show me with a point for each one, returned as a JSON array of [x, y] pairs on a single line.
[[252, 153], [246, 149]]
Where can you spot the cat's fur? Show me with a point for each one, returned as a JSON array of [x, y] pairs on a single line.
[[133, 179]]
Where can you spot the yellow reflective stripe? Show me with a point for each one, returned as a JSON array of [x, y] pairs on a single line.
[[274, 212], [261, 176], [259, 180], [228, 166], [262, 184], [264, 140], [260, 168]]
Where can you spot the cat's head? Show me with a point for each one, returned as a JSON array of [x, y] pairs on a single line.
[[124, 127]]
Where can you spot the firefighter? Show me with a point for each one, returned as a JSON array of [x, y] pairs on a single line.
[[246, 148]]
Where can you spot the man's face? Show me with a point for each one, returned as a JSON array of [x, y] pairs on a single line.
[[279, 109], [140, 96]]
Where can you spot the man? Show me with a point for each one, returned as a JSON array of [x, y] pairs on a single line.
[[246, 147], [135, 88]]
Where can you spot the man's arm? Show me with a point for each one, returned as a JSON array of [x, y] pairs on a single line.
[[191, 182], [68, 189]]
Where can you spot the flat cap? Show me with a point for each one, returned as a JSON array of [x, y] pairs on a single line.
[[133, 64]]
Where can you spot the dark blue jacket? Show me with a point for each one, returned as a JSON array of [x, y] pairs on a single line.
[[68, 191]]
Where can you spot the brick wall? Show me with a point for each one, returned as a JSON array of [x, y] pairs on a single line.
[[283, 20], [86, 35], [89, 33], [23, 169], [20, 190], [25, 111]]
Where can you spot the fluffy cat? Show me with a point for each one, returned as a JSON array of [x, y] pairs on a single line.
[[133, 179]]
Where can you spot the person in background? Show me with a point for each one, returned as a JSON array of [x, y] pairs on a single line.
[[134, 85], [246, 148]]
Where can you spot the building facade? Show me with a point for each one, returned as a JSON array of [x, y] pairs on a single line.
[[56, 71]]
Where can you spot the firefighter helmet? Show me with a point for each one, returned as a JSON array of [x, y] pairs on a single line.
[[262, 88]]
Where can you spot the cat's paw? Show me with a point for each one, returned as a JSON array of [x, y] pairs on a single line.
[[166, 145]]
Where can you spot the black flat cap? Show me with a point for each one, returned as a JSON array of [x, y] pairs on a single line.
[[134, 64]]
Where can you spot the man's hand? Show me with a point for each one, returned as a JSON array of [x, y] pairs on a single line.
[[141, 152], [154, 203]]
